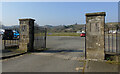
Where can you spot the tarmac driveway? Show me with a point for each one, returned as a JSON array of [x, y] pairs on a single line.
[[64, 55], [66, 42], [69, 45]]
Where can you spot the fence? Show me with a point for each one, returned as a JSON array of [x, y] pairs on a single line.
[[10, 43], [112, 40], [39, 37]]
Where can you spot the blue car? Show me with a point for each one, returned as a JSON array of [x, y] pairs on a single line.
[[16, 34]]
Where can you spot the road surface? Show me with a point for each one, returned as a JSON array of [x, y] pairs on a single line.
[[63, 55]]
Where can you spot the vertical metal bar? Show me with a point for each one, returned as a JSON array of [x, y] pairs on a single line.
[[104, 39], [45, 36], [7, 42], [108, 42], [85, 41], [16, 41], [37, 37], [10, 42], [112, 40], [116, 41], [4, 44]]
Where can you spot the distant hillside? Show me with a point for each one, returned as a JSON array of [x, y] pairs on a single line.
[[75, 27], [112, 24], [15, 27], [63, 28]]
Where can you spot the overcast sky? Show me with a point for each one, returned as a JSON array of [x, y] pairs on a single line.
[[56, 13]]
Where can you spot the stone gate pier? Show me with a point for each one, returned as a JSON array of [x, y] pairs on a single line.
[[95, 35], [26, 34]]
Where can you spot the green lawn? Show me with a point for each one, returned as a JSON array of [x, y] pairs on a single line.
[[63, 34]]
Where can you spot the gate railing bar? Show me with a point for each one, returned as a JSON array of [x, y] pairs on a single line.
[[112, 40], [10, 41], [4, 43], [108, 42], [116, 40], [104, 39], [45, 36], [85, 42]]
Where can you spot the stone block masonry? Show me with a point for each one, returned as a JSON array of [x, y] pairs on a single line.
[[26, 34], [95, 35]]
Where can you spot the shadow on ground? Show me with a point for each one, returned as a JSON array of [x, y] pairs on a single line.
[[57, 51], [5, 51]]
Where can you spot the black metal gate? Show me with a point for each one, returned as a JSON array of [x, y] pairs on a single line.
[[11, 43], [39, 37]]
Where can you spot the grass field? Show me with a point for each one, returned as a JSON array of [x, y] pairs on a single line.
[[63, 34], [70, 34]]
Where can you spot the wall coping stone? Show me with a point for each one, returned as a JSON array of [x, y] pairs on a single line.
[[26, 19], [96, 14]]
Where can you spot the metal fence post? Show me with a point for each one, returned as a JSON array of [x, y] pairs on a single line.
[[112, 40], [117, 52], [45, 36], [85, 43], [4, 43], [108, 41]]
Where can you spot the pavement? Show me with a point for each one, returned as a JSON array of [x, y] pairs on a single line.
[[101, 66], [8, 54]]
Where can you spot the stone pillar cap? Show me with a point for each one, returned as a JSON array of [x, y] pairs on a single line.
[[26, 19], [96, 14]]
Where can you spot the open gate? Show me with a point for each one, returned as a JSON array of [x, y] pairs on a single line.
[[39, 37]]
